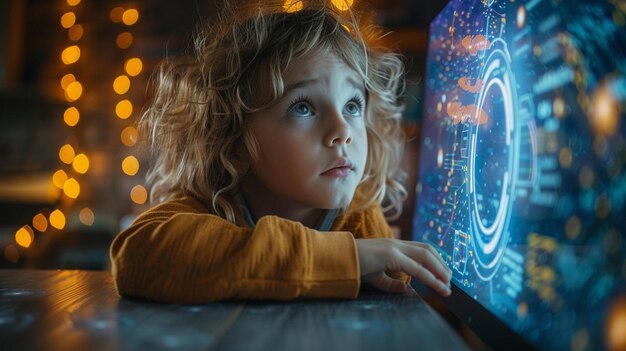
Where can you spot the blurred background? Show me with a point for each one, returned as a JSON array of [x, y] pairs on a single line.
[[73, 81]]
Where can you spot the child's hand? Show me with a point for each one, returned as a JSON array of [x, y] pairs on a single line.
[[418, 260]]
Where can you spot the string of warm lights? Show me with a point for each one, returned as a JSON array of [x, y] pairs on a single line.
[[62, 180], [124, 108], [65, 185]]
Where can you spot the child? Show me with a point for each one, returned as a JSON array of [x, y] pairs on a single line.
[[274, 146]]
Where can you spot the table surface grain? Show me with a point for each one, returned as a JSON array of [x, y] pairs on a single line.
[[80, 310]]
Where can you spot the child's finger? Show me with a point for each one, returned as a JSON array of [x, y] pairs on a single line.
[[419, 272], [426, 258], [436, 253]]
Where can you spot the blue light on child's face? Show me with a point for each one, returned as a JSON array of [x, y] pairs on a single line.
[[313, 142]]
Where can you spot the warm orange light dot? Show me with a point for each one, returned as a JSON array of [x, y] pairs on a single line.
[[73, 2], [11, 254], [71, 188], [24, 236], [605, 114], [57, 219], [71, 116], [66, 80], [116, 14], [58, 178], [124, 109], [129, 136], [138, 194], [121, 84], [130, 17], [342, 5], [133, 66], [80, 163], [74, 91], [86, 216], [615, 331], [40, 222], [292, 6], [68, 19], [130, 165], [75, 33], [70, 54], [67, 153], [124, 40]]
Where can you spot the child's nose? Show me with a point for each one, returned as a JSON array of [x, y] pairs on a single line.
[[339, 130]]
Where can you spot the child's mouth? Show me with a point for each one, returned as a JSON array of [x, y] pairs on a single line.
[[338, 172]]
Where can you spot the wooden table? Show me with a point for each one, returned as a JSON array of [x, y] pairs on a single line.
[[80, 310]]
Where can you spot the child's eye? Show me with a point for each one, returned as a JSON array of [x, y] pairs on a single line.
[[355, 106], [300, 107]]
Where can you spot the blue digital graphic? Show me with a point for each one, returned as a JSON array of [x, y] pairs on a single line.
[[522, 172]]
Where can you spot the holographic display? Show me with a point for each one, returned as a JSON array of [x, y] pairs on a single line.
[[522, 181]]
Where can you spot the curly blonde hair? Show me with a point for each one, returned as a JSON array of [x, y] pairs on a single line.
[[196, 123]]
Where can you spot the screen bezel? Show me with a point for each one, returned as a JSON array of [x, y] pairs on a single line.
[[489, 328]]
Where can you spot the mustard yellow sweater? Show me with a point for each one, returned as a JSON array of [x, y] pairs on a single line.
[[178, 252]]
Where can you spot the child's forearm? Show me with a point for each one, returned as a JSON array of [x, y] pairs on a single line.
[[196, 257]]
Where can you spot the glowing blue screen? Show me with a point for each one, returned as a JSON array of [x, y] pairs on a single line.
[[522, 181]]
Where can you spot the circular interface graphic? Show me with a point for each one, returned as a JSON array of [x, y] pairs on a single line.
[[491, 160], [494, 151]]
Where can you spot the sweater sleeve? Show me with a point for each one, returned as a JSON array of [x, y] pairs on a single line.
[[179, 253]]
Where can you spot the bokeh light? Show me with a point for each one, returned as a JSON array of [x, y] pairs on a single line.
[[24, 236], [129, 136], [81, 163], [342, 5], [67, 153], [616, 325], [40, 222], [124, 40], [66, 80], [121, 84], [75, 33], [116, 14], [521, 16], [68, 19], [70, 54], [605, 111], [86, 216], [130, 17], [130, 165], [59, 178], [558, 106], [74, 91], [565, 157], [57, 219], [133, 66], [71, 188], [71, 116], [138, 194], [292, 6], [124, 109], [73, 2]]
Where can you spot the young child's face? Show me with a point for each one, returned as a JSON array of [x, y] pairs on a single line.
[[313, 141]]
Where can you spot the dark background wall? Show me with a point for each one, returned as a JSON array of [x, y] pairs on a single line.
[[32, 103]]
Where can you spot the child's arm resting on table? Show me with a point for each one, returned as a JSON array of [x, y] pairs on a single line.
[[177, 252]]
